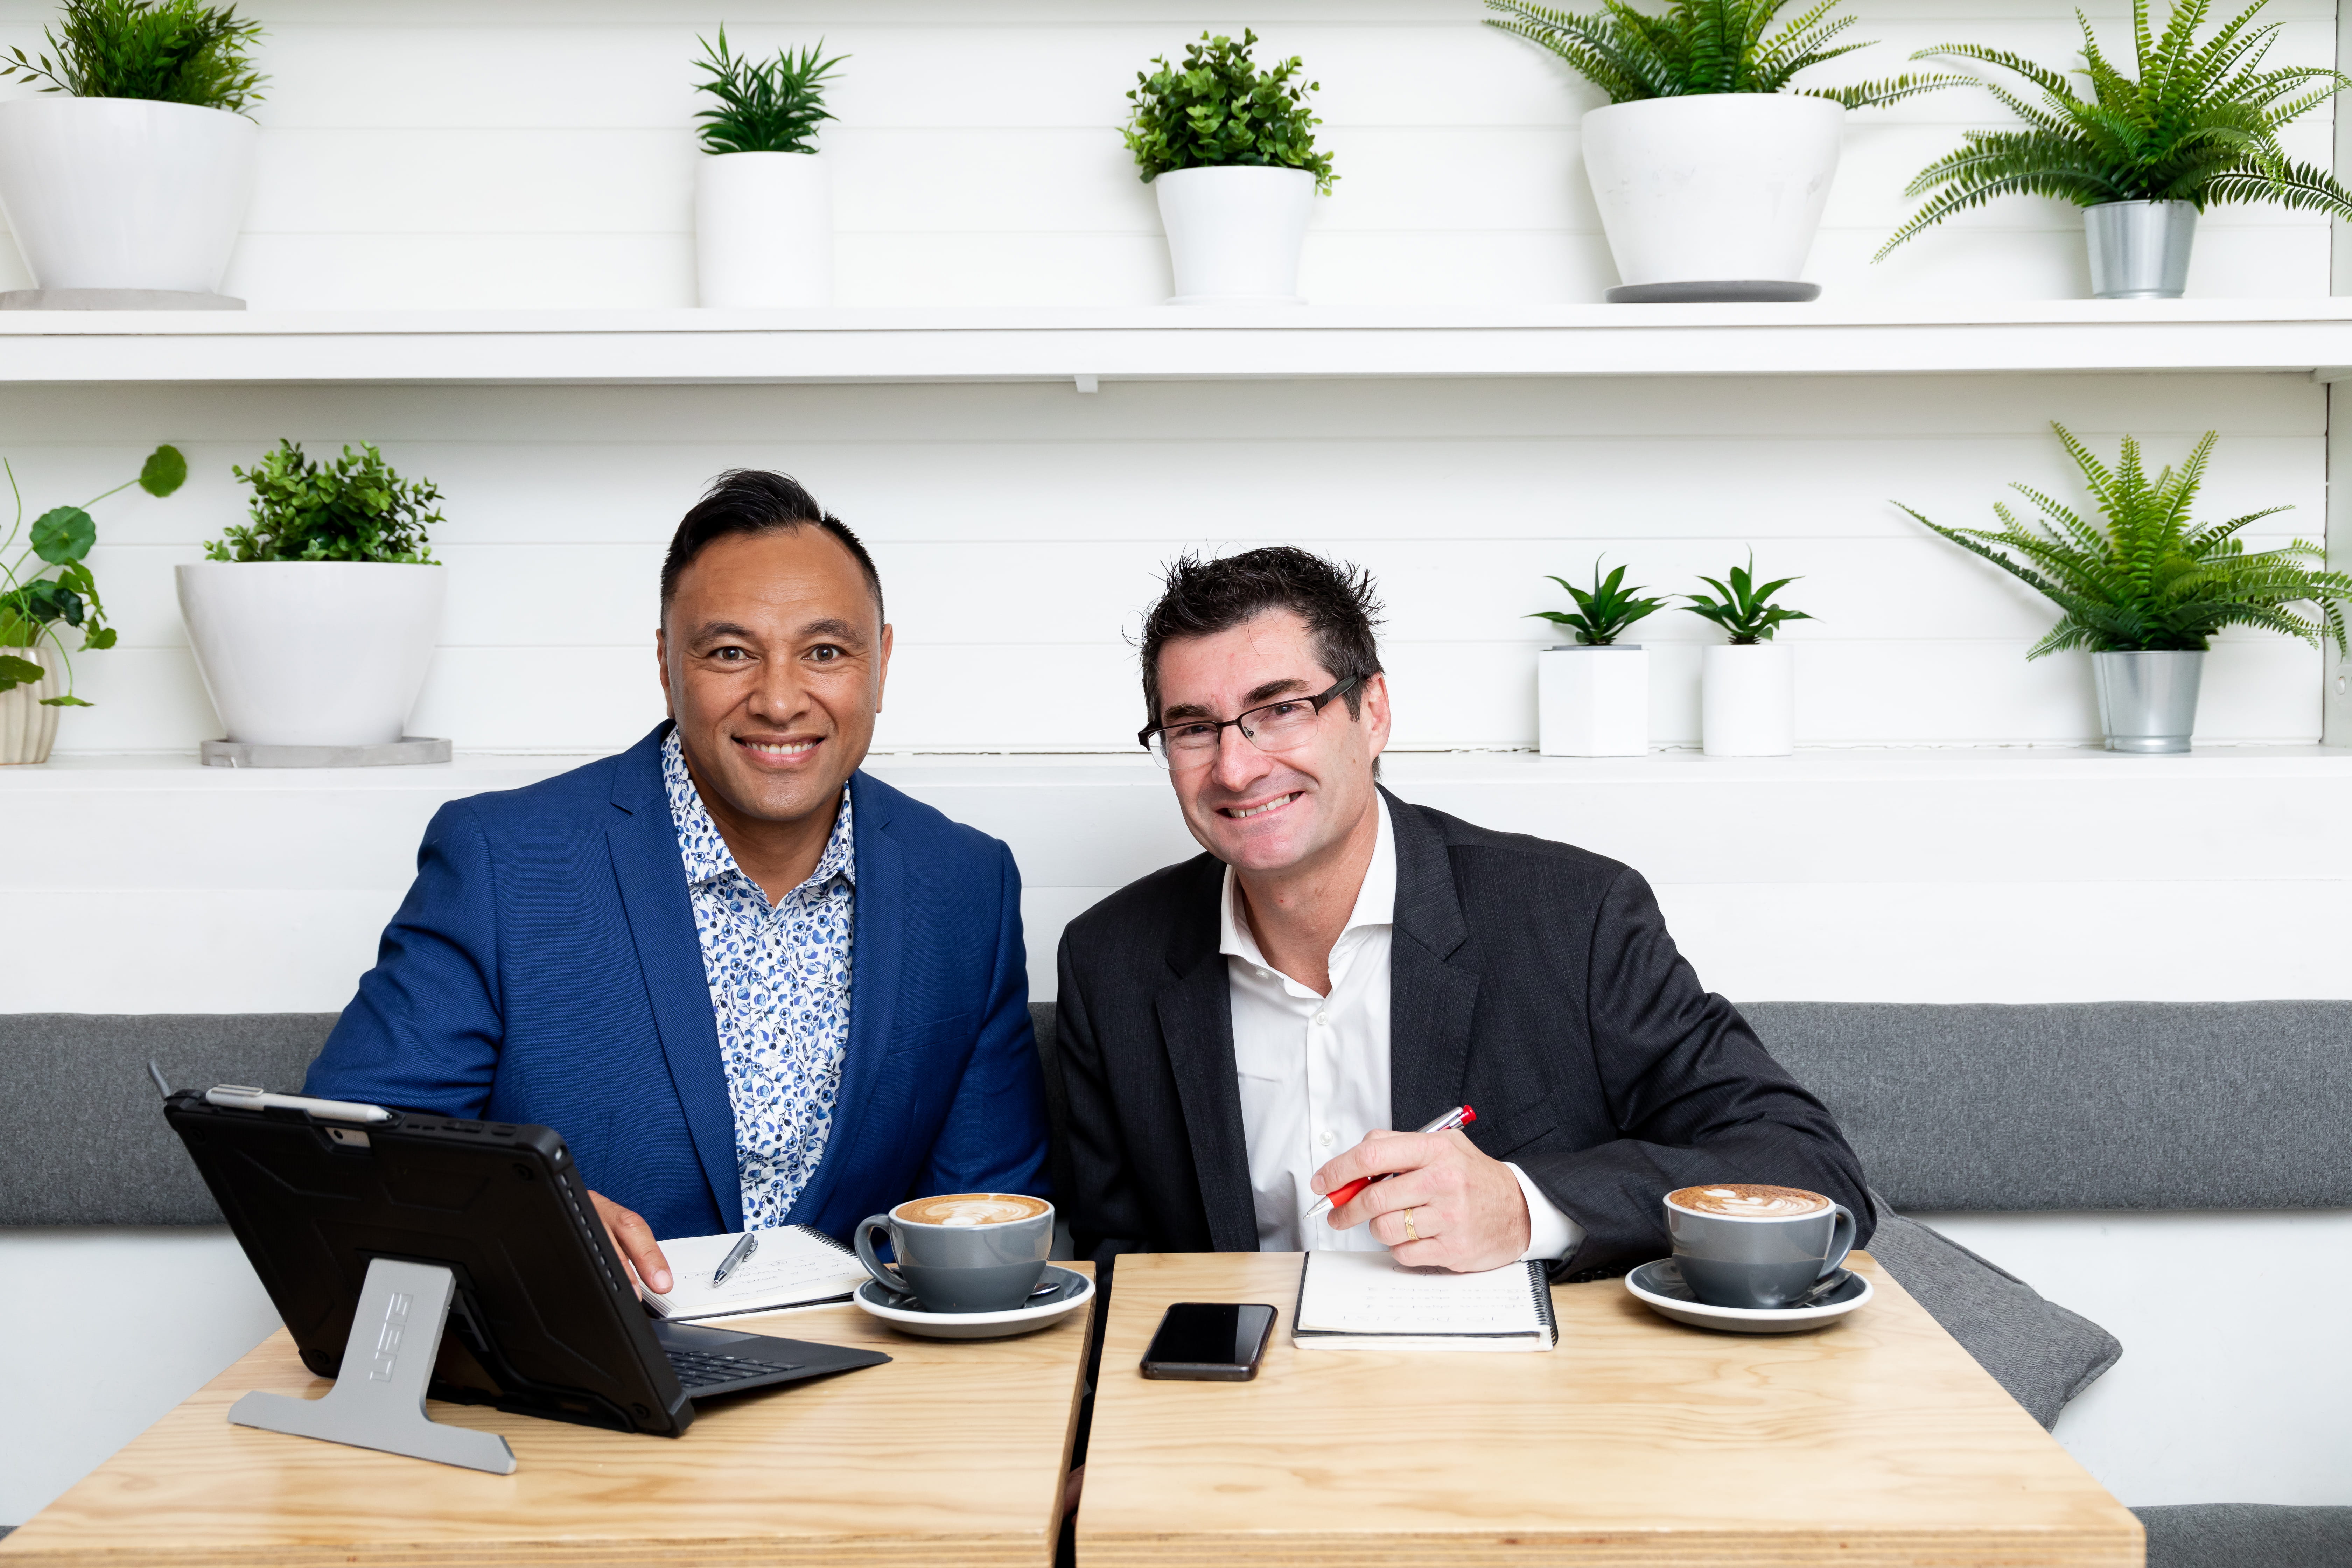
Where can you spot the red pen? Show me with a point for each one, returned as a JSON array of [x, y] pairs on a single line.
[[1460, 1116]]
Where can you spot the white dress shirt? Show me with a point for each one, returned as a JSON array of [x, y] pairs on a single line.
[[1314, 1070]]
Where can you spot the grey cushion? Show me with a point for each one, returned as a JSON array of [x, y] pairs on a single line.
[[2124, 1105], [82, 1135], [2247, 1535], [2043, 1354]]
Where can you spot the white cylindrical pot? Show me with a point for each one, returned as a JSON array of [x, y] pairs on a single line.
[[1714, 188], [2140, 250], [763, 230], [1748, 701], [27, 730], [1593, 701], [1235, 233], [312, 653], [119, 193], [2147, 702]]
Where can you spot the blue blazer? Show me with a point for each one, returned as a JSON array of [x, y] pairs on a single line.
[[545, 968]]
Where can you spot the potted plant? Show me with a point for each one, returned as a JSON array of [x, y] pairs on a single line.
[[1592, 696], [35, 601], [1230, 152], [2142, 156], [763, 199], [1747, 697], [132, 168], [1710, 170], [313, 624], [2145, 588]]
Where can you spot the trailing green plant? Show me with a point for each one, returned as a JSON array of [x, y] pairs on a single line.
[[167, 51], [1603, 612], [1702, 47], [2199, 124], [61, 591], [1218, 109], [1745, 611], [764, 106], [354, 508], [2146, 578]]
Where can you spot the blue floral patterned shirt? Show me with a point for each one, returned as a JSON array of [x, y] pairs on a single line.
[[780, 986]]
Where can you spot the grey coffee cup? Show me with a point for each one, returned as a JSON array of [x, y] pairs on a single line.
[[1759, 1261], [960, 1268]]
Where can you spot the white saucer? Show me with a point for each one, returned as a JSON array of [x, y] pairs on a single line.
[[910, 1316], [1661, 1288]]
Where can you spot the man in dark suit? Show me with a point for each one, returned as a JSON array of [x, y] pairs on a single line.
[[1240, 1031], [749, 984]]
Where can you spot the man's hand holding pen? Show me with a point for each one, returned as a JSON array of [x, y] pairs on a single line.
[[1445, 1205]]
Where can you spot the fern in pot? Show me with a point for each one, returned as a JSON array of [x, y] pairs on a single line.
[[1229, 150], [762, 195], [313, 622], [129, 169], [1593, 694], [1710, 165], [2145, 588], [1747, 697], [2142, 155]]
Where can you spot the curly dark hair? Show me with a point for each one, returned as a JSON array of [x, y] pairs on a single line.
[[1201, 598], [753, 500]]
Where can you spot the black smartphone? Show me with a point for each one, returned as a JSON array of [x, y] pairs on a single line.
[[1214, 1341]]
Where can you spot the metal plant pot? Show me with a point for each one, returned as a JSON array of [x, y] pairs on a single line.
[[2147, 702], [2140, 250]]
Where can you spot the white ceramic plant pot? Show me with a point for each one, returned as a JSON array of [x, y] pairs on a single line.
[[27, 730], [1235, 233], [1701, 195], [119, 193], [1748, 701], [763, 230], [312, 653], [1593, 701]]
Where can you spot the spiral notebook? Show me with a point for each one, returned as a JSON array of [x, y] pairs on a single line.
[[794, 1267], [1369, 1301]]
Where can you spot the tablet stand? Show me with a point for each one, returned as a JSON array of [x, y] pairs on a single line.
[[378, 1400]]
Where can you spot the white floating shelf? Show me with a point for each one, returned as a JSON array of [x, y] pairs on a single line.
[[1086, 347]]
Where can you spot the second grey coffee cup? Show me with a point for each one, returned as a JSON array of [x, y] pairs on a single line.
[[961, 1268], [1759, 1262]]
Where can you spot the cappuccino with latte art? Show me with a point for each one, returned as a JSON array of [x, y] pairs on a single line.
[[1748, 1200], [970, 1209]]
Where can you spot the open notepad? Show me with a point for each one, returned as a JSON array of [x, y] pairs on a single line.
[[1367, 1300], [794, 1267]]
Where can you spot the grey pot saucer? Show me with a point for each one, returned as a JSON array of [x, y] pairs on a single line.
[[909, 1316], [1660, 1286], [1716, 291]]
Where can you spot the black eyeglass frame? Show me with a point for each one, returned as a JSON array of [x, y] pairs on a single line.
[[1318, 702]]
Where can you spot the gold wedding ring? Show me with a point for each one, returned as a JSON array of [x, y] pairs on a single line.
[[1410, 1233]]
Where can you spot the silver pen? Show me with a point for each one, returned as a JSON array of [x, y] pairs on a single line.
[[735, 1255]]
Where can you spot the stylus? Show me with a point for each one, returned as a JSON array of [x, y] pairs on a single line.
[[1460, 1116], [735, 1255]]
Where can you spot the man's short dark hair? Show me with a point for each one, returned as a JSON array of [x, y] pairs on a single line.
[[1202, 598], [753, 500]]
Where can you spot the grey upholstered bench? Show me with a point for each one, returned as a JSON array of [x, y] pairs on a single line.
[[2107, 1106]]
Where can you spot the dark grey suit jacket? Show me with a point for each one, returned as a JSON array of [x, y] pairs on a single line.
[[1531, 980]]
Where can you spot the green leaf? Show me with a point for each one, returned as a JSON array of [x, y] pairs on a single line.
[[16, 672], [164, 471], [100, 637], [62, 534], [68, 700]]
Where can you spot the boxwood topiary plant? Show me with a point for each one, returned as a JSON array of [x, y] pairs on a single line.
[[354, 508], [1218, 109]]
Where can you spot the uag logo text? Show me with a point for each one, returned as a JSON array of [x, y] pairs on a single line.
[[387, 1338]]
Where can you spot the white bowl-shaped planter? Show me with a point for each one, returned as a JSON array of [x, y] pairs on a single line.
[[27, 730], [763, 230], [312, 653], [2147, 702], [1593, 701], [1748, 701], [1235, 233], [119, 193], [1713, 196]]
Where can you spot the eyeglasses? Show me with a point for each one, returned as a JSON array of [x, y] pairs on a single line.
[[1277, 727]]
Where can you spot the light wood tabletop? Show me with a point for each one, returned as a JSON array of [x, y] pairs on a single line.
[[1637, 1441], [953, 1453]]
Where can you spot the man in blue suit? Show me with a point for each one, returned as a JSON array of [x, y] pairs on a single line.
[[749, 984]]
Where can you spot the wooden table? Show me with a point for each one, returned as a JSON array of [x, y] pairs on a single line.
[[1636, 1442], [953, 1453]]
